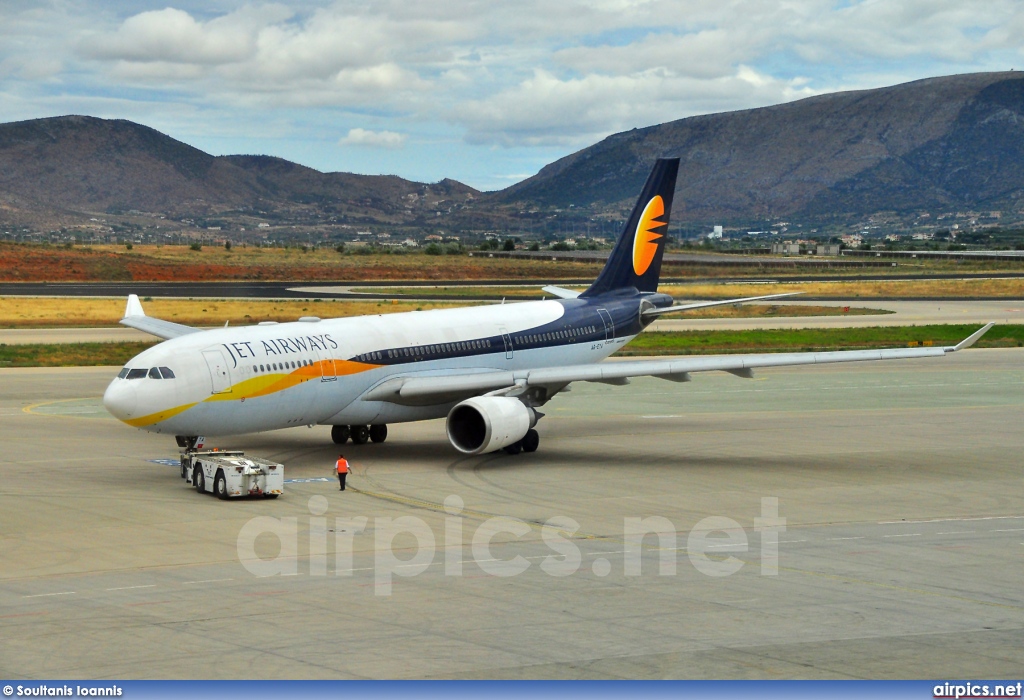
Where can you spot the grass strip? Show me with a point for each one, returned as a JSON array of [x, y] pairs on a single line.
[[70, 354], [817, 339]]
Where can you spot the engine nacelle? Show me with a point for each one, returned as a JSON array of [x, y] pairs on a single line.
[[488, 423]]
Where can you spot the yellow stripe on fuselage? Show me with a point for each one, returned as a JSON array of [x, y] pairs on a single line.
[[262, 385], [143, 421]]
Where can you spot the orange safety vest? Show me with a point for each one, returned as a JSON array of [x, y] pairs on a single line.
[[343, 466]]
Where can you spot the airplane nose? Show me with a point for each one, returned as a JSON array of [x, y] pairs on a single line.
[[121, 399]]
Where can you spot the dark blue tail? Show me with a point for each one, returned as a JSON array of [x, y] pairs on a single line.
[[635, 261]]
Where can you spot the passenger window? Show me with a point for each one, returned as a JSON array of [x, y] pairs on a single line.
[[123, 373], [137, 374], [167, 373], [154, 373]]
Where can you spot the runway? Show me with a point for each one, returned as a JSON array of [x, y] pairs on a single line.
[[899, 528]]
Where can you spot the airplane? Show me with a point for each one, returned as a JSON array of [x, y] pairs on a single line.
[[486, 369]]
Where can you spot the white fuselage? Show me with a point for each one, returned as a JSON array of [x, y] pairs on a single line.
[[255, 378]]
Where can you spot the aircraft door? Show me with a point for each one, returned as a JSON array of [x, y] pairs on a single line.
[[220, 377], [609, 325], [328, 370], [508, 344]]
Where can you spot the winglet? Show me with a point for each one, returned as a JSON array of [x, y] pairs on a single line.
[[134, 307], [973, 338], [135, 317]]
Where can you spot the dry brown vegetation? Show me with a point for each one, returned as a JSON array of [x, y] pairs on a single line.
[[46, 312], [40, 263], [42, 312]]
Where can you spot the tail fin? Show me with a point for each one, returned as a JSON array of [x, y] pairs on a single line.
[[636, 259]]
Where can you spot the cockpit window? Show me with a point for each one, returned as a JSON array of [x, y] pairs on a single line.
[[154, 373], [136, 373], [123, 373], [166, 371]]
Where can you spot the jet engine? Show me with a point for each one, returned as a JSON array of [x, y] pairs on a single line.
[[488, 423]]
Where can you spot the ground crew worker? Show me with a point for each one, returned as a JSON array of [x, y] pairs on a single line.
[[342, 470]]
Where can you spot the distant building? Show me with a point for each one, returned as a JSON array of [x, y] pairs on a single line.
[[828, 249], [716, 233], [786, 248]]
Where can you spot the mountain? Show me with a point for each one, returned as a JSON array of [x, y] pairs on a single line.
[[79, 164], [943, 144], [949, 142]]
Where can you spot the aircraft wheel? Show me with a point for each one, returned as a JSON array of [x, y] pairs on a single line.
[[378, 433], [198, 478], [340, 434], [360, 434], [220, 486], [515, 448], [531, 441]]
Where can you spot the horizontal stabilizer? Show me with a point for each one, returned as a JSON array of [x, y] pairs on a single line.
[[561, 292], [705, 304]]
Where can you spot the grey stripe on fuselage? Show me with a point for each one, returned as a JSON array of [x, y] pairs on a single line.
[[583, 322]]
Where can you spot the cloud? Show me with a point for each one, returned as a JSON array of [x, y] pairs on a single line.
[[373, 139], [545, 109], [535, 75], [174, 36]]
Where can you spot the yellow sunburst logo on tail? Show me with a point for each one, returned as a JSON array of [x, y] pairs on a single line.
[[645, 242]]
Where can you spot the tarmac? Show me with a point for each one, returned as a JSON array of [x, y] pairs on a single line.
[[895, 548], [903, 313]]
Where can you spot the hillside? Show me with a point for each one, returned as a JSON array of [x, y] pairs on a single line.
[[950, 142], [78, 164]]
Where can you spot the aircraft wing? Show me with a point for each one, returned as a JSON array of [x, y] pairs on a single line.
[[135, 317], [441, 388]]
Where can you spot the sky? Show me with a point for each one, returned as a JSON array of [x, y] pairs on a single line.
[[486, 93]]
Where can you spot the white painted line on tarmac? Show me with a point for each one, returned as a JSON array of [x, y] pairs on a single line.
[[46, 595], [949, 520], [848, 538], [908, 534], [128, 588], [956, 532], [1013, 529], [209, 580]]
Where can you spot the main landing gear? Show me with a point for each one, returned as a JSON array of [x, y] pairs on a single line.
[[529, 443], [359, 434]]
